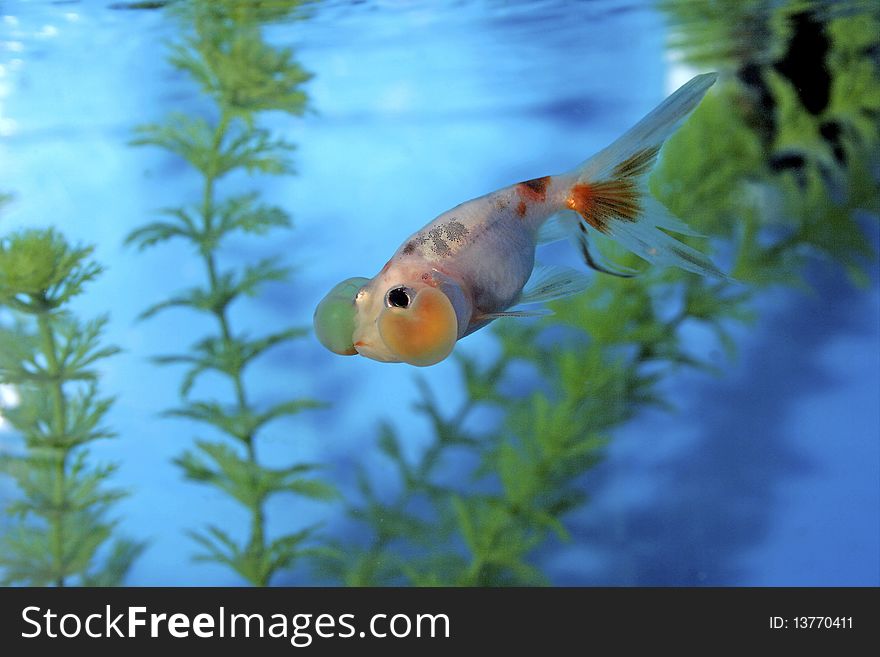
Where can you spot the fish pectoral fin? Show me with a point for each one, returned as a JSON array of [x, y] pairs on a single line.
[[544, 312], [549, 282]]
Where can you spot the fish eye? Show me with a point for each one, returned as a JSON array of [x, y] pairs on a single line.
[[398, 297]]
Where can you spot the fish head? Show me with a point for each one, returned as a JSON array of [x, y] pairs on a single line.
[[403, 314]]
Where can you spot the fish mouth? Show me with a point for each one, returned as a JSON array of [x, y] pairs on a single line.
[[366, 350], [363, 348]]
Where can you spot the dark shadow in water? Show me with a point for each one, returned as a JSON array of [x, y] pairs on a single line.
[[725, 489]]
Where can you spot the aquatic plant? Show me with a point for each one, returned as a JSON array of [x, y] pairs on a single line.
[[797, 164], [60, 531], [224, 52], [600, 359]]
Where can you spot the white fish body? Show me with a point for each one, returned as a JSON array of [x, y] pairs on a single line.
[[472, 263]]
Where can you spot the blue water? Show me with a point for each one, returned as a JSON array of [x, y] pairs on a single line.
[[766, 475]]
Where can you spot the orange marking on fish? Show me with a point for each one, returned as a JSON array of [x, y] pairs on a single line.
[[534, 190], [603, 202], [521, 209]]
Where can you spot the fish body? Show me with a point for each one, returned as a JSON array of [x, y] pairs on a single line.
[[489, 241], [476, 262]]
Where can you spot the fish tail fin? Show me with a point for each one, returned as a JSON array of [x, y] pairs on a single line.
[[610, 190]]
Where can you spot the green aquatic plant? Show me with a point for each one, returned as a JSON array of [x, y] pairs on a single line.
[[483, 527], [600, 359], [224, 52], [61, 532]]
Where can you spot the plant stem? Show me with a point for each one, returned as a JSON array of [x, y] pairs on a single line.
[[59, 420], [431, 457], [257, 543]]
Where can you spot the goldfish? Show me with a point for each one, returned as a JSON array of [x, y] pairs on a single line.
[[475, 263]]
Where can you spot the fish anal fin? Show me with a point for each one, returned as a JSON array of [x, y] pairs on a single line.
[[549, 282], [560, 226]]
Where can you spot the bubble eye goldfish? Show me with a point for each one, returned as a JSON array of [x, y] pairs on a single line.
[[476, 262]]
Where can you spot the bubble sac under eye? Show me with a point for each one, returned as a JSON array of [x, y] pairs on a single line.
[[335, 317]]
